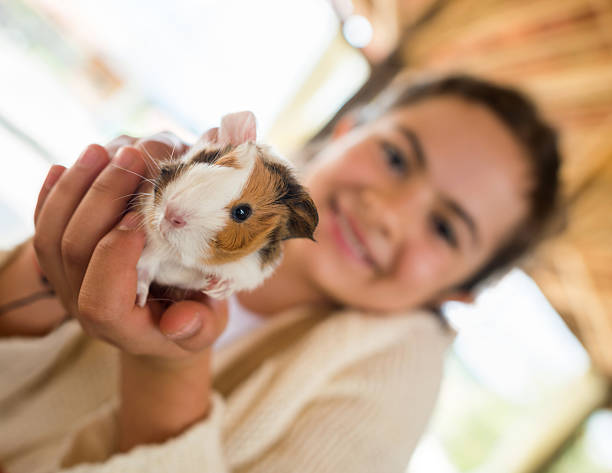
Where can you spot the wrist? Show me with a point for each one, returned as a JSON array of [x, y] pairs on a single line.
[[28, 306], [160, 398]]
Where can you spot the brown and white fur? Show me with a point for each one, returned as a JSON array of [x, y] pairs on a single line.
[[196, 238]]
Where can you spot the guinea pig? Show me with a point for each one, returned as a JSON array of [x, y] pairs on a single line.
[[215, 217]]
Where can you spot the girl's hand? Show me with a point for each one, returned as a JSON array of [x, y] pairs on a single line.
[[88, 250], [89, 254], [159, 147]]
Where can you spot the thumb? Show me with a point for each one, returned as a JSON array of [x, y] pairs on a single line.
[[109, 286], [194, 325]]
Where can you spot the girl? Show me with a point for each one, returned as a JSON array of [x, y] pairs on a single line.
[[333, 365]]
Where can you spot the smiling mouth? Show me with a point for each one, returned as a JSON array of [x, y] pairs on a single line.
[[348, 239]]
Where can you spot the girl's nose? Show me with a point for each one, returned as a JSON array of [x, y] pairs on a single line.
[[399, 211]]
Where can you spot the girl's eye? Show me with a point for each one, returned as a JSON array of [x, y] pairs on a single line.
[[444, 230], [395, 158]]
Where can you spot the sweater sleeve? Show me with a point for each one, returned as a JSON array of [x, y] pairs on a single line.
[[354, 395], [198, 449], [364, 415]]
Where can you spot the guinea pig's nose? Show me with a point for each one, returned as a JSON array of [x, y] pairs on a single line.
[[175, 217]]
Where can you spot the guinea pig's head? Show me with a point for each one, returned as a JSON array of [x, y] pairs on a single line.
[[227, 199]]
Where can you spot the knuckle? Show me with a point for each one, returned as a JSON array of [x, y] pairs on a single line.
[[102, 186], [108, 244], [143, 142], [41, 243], [116, 245], [72, 251]]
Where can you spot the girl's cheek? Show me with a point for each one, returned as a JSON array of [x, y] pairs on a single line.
[[421, 265], [363, 169]]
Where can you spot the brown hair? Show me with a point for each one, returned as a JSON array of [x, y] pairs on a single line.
[[520, 115]]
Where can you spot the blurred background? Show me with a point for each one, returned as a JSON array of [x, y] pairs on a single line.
[[526, 386]]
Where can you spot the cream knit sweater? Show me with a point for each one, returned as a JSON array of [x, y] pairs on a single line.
[[306, 392]]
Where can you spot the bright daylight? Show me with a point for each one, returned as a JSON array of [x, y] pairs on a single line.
[[373, 236]]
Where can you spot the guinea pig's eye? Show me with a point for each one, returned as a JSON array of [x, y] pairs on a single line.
[[241, 212], [164, 172]]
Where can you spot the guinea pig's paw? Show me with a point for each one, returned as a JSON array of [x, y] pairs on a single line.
[[142, 291], [219, 288], [142, 287]]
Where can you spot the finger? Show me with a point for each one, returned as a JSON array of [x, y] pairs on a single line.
[[108, 291], [193, 325], [107, 298], [57, 209], [164, 146], [165, 138], [52, 177], [210, 136], [113, 146], [98, 212]]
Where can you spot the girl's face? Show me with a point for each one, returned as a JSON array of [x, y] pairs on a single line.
[[413, 204]]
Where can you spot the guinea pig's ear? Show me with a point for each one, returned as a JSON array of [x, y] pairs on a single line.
[[303, 216], [237, 128]]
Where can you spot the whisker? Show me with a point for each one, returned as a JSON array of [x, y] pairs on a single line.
[[135, 173], [135, 194], [159, 299], [153, 168], [173, 150], [151, 171], [133, 208], [151, 161]]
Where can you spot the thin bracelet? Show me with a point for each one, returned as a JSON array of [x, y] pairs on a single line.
[[49, 293]]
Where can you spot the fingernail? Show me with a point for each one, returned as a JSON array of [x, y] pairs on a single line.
[[188, 330], [91, 157], [124, 157], [130, 221]]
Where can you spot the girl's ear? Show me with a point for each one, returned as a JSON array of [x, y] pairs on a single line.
[[344, 125], [466, 297]]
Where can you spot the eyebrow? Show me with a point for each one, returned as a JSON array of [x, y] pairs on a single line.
[[416, 145], [455, 208]]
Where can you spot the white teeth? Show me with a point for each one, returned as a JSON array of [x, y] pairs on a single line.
[[350, 236]]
